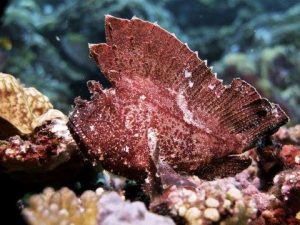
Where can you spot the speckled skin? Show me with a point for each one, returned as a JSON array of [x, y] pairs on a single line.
[[118, 123], [165, 104]]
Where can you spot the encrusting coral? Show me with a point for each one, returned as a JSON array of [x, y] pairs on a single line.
[[50, 145], [233, 200], [289, 149], [165, 104], [290, 156], [289, 135], [287, 186]]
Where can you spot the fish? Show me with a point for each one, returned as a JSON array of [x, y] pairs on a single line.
[[166, 105]]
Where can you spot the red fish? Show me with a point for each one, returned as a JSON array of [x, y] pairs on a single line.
[[166, 105]]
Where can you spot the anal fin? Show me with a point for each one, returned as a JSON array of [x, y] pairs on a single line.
[[224, 167]]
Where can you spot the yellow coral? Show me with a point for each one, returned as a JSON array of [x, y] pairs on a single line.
[[62, 207], [298, 215], [37, 102], [19, 106]]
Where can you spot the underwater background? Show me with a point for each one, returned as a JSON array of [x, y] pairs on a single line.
[[45, 45]]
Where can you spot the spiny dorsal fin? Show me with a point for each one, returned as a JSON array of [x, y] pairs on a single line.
[[139, 48]]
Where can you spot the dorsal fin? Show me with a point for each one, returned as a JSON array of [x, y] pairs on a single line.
[[139, 48]]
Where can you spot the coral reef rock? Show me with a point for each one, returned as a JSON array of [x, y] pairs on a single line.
[[34, 137], [234, 200], [289, 135], [165, 104], [49, 146], [290, 156], [91, 208], [287, 184]]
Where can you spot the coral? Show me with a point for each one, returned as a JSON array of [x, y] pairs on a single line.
[[287, 186], [113, 210], [19, 106], [290, 156], [62, 207], [289, 135], [165, 104], [287, 189], [277, 153], [294, 134], [91, 208], [35, 136], [49, 146], [234, 200]]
